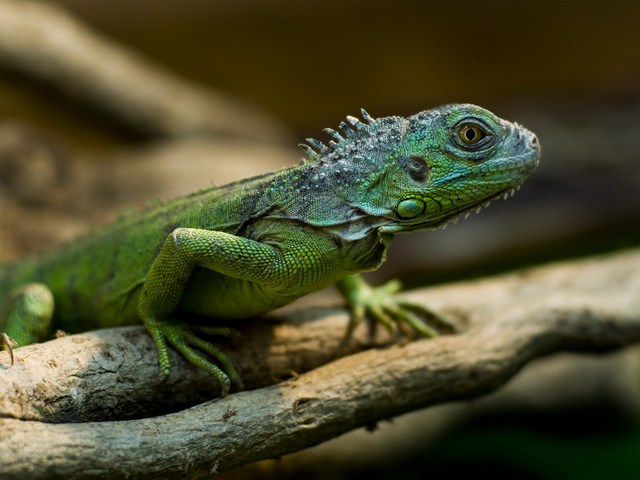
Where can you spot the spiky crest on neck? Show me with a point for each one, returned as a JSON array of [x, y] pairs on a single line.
[[353, 130]]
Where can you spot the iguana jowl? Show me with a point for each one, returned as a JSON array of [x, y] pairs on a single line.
[[240, 250]]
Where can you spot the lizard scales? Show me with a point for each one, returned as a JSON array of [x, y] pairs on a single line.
[[245, 248]]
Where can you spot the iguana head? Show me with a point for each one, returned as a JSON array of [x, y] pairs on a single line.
[[422, 171]]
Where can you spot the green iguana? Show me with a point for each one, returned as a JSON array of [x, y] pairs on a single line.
[[243, 249]]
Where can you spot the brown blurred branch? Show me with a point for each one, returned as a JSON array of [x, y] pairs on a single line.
[[50, 193], [42, 41], [591, 305]]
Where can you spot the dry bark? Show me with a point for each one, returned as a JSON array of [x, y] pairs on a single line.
[[590, 305], [42, 41]]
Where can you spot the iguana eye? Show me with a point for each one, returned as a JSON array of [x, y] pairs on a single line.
[[417, 168], [471, 134]]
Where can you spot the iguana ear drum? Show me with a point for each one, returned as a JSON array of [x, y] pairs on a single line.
[[418, 169], [410, 208]]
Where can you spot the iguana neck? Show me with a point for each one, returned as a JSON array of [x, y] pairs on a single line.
[[323, 196]]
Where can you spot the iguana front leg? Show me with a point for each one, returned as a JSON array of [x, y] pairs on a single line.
[[183, 250], [379, 305]]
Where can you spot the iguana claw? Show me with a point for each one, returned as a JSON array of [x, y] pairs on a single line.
[[379, 306], [182, 337], [7, 343]]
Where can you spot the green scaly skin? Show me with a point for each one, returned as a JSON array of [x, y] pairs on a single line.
[[243, 249]]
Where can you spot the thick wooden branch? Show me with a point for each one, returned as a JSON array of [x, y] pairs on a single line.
[[590, 305], [41, 41]]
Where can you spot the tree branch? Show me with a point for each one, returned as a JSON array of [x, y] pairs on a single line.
[[50, 193], [506, 321], [41, 41]]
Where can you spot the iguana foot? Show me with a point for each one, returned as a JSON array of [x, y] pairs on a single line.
[[182, 337], [7, 343], [379, 306]]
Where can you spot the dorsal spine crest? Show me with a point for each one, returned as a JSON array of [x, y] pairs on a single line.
[[314, 149]]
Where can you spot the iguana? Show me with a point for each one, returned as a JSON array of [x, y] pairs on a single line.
[[243, 249]]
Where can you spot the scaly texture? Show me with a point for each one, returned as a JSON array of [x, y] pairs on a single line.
[[240, 250]]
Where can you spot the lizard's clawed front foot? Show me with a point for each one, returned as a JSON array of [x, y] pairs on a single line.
[[182, 337]]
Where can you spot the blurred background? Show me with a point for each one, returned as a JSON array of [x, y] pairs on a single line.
[[283, 70]]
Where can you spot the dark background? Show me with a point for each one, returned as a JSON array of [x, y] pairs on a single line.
[[310, 63]]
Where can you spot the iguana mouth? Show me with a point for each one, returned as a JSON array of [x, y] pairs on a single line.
[[464, 212], [441, 222], [525, 164]]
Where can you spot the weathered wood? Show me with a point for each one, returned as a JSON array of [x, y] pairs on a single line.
[[589, 305]]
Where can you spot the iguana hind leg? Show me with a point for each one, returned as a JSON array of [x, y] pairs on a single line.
[[29, 318]]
